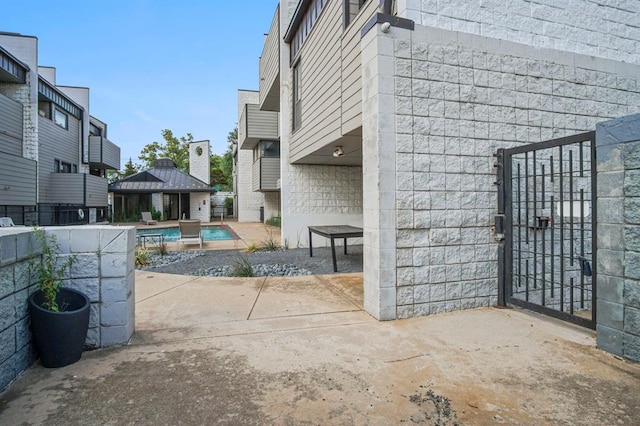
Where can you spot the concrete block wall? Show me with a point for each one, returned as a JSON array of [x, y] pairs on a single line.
[[449, 100], [249, 202], [104, 271], [618, 305], [271, 204], [319, 195], [602, 29], [200, 206]]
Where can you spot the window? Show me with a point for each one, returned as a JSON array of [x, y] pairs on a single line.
[[269, 149], [305, 24], [351, 10], [94, 130], [44, 109], [297, 97], [60, 118], [64, 167]]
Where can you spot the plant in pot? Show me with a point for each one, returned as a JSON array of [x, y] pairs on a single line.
[[59, 315], [228, 203]]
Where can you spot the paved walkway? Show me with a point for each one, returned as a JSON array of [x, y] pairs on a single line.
[[300, 350]]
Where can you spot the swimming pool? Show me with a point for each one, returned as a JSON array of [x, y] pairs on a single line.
[[209, 233]]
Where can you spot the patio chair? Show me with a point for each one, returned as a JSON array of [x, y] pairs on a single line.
[[147, 219], [7, 222], [190, 232]]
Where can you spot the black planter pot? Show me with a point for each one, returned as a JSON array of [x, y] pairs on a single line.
[[59, 337]]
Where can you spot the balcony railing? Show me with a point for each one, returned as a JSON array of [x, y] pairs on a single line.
[[270, 68], [256, 125], [17, 181], [78, 188], [266, 174], [103, 154]]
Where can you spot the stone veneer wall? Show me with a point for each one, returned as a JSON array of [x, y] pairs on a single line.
[[104, 271], [591, 27], [436, 106], [618, 267]]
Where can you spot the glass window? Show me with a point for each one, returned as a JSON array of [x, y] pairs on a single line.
[[94, 130], [60, 118], [297, 97], [44, 109], [270, 149]]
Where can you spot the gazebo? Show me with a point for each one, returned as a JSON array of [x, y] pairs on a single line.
[[162, 188]]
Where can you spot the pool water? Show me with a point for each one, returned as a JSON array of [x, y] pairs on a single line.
[[209, 233]]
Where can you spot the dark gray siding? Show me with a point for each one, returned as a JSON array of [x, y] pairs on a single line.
[[96, 191], [69, 188], [11, 123], [104, 153], [270, 68], [266, 172], [17, 181], [56, 143]]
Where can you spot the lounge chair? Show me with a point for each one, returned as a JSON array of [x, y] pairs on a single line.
[[190, 232], [7, 222], [147, 219]]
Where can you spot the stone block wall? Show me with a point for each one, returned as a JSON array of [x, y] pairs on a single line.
[[603, 29], [104, 271], [441, 103], [618, 306], [319, 195]]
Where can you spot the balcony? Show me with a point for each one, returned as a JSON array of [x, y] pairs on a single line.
[[77, 188], [103, 154], [19, 183], [270, 67], [266, 174], [256, 125]]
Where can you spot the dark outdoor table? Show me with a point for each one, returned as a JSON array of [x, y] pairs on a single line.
[[151, 237], [332, 232]]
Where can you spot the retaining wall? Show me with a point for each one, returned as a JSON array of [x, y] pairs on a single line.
[[104, 271]]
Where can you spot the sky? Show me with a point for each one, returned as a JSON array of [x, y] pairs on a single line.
[[151, 64]]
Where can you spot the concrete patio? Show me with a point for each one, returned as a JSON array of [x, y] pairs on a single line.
[[301, 351]]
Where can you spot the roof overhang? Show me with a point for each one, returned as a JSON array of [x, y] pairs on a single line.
[[12, 70]]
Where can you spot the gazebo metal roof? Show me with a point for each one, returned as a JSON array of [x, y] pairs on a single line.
[[163, 177]]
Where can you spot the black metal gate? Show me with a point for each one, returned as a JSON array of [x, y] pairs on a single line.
[[547, 214]]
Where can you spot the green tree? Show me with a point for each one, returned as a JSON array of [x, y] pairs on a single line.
[[129, 169], [174, 148], [226, 163]]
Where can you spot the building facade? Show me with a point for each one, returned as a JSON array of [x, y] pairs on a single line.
[[391, 113], [54, 153]]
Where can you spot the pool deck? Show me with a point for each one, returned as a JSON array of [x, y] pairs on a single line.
[[248, 233]]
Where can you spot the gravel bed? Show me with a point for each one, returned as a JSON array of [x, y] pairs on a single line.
[[292, 262]]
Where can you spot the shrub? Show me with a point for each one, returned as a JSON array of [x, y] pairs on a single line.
[[274, 221], [251, 248], [269, 243], [143, 257], [241, 267], [49, 269]]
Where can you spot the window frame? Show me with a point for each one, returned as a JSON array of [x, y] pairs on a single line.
[[59, 113], [296, 95]]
